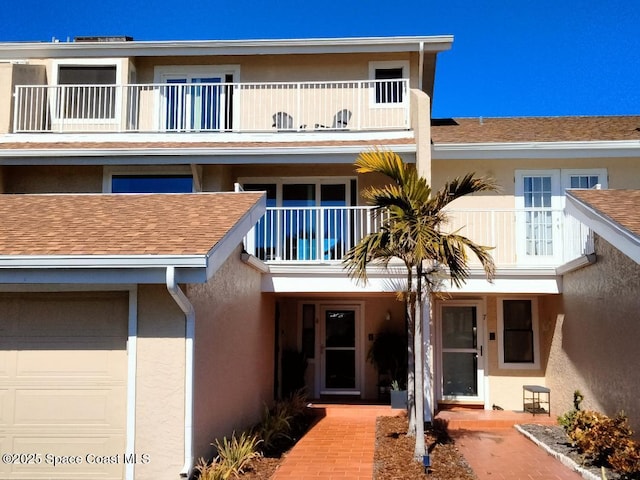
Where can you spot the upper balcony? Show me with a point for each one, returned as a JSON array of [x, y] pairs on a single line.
[[371, 105], [533, 238]]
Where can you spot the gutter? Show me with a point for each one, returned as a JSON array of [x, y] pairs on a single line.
[[190, 316]]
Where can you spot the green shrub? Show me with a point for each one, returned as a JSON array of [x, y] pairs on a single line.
[[274, 427], [234, 455], [209, 471], [567, 420]]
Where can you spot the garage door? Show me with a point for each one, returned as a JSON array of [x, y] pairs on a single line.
[[63, 366]]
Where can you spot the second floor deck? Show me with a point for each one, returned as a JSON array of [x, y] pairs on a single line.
[[535, 238], [212, 106]]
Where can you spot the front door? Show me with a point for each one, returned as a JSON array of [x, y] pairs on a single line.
[[461, 346], [339, 350]]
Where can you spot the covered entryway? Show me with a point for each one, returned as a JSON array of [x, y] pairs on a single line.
[[63, 382]]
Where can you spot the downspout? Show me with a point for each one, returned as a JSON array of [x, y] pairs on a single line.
[[190, 316], [421, 66]]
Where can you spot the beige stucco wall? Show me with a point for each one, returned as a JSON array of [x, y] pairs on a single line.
[[505, 385], [53, 179], [374, 310], [622, 174], [286, 68], [160, 383], [234, 359], [595, 347]]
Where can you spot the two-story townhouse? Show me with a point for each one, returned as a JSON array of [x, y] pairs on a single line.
[[152, 344], [528, 326], [194, 326]]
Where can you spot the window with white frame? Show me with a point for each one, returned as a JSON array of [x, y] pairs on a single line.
[[388, 78], [86, 89], [518, 336]]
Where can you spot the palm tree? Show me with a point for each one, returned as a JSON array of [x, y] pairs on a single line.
[[412, 219]]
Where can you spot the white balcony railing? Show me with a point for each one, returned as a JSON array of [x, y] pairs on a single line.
[[521, 238], [213, 107]]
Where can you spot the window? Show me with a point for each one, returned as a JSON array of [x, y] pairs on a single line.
[[86, 90], [298, 231], [197, 98], [151, 184], [156, 179], [388, 81], [584, 178], [518, 330]]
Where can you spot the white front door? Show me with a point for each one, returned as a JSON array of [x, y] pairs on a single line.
[[340, 350], [461, 341]]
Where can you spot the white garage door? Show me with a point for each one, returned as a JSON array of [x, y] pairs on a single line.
[[63, 366]]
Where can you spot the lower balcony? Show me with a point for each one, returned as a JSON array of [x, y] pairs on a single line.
[[528, 238], [209, 106]]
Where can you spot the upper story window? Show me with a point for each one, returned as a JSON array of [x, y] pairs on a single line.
[[86, 89], [388, 87], [147, 180], [151, 184]]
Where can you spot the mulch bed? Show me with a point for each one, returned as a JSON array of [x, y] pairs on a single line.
[[393, 458]]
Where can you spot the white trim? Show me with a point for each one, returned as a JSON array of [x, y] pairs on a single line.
[[109, 171], [555, 210], [567, 173], [576, 264], [254, 262], [535, 365], [100, 261], [132, 357], [531, 150], [385, 65], [162, 72], [358, 308]]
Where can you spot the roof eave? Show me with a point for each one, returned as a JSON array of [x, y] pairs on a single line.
[[489, 150], [18, 50]]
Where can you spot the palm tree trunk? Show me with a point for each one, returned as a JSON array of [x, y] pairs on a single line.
[[420, 450], [410, 313]]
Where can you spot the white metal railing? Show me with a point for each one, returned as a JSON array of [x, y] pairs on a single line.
[[213, 107], [527, 237]]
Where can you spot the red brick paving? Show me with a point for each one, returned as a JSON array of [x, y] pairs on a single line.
[[341, 446]]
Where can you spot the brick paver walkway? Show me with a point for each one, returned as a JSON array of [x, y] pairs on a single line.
[[341, 446], [506, 454]]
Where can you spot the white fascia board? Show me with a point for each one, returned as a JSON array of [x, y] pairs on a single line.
[[16, 50], [105, 276], [218, 156], [618, 236], [235, 236], [102, 261], [483, 151]]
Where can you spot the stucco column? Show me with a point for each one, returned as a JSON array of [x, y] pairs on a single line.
[[421, 124]]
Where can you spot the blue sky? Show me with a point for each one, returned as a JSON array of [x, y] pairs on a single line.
[[509, 58]]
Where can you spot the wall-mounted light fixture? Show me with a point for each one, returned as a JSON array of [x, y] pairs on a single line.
[[388, 316]]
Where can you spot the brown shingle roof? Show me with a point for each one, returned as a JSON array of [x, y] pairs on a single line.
[[145, 224], [620, 206], [535, 129]]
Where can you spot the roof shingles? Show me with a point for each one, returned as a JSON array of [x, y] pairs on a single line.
[[132, 224], [620, 206], [536, 129]]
